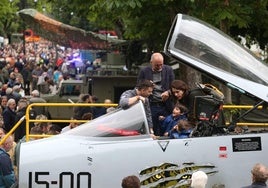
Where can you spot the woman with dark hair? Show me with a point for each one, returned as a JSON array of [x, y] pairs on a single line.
[[178, 93]]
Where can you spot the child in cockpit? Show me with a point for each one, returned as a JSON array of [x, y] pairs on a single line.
[[179, 113], [183, 129]]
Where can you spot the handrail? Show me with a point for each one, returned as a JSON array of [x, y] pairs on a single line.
[[12, 130], [239, 106], [28, 120]]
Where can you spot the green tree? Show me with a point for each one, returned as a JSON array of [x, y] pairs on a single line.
[[8, 18]]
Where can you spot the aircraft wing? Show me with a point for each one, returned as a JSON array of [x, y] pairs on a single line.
[[64, 34], [209, 50]]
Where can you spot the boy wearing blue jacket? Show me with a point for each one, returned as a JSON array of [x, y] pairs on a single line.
[[179, 113]]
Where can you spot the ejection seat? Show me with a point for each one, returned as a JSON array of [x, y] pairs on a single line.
[[207, 102]]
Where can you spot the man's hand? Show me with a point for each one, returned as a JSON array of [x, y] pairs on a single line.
[[142, 99], [165, 95]]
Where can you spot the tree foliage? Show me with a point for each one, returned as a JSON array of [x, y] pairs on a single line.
[[8, 17]]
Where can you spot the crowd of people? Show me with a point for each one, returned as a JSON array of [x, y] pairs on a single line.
[[23, 77]]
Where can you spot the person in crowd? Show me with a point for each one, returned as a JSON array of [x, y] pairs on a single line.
[[6, 168], [3, 102], [54, 129], [98, 111], [56, 75], [259, 176], [21, 111], [44, 126], [140, 93], [11, 152], [9, 93], [35, 76], [35, 98], [9, 115], [182, 129], [71, 125], [27, 77], [12, 80], [16, 93], [131, 182], [199, 179], [2, 132], [87, 116], [79, 111], [5, 72], [51, 86], [161, 75], [179, 112], [2, 79]]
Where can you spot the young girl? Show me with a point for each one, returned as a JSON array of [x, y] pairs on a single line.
[[178, 113]]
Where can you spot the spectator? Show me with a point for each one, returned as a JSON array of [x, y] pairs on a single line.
[[21, 111], [9, 115], [71, 125], [79, 111], [35, 98], [27, 77], [2, 132], [3, 102], [199, 179], [54, 129], [16, 93], [162, 76], [44, 126], [99, 110], [35, 76], [12, 80], [131, 182], [87, 116], [6, 167], [259, 176], [9, 93], [141, 92]]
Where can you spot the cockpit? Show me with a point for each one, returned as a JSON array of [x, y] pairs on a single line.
[[119, 123]]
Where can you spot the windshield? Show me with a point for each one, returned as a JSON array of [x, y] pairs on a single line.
[[129, 122], [199, 40]]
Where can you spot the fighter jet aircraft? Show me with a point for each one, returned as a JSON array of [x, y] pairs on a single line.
[[102, 152]]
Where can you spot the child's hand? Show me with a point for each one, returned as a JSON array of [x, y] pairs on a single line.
[[175, 127], [161, 117]]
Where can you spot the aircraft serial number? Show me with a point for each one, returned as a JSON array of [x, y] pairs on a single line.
[[65, 180]]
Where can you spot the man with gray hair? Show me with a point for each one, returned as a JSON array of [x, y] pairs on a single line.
[[35, 98], [9, 115], [259, 176]]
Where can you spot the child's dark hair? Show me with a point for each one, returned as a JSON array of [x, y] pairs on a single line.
[[182, 108], [183, 125]]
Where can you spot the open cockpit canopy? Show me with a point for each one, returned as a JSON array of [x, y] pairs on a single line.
[[209, 50], [119, 123]]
